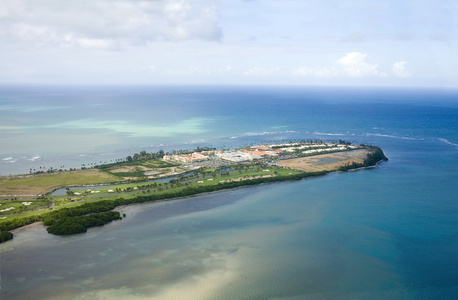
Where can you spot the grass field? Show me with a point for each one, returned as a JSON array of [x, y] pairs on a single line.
[[40, 184], [138, 169], [127, 191], [19, 192], [8, 207], [208, 179]]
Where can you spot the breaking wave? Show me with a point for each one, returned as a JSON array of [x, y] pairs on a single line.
[[447, 142], [394, 136], [269, 133], [333, 134], [8, 160]]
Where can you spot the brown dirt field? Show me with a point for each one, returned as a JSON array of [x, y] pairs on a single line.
[[318, 163]]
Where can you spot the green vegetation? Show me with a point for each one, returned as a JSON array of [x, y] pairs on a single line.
[[5, 236], [143, 155], [375, 156], [17, 206], [40, 184], [20, 221], [79, 224], [151, 164], [82, 209], [138, 169], [76, 220]]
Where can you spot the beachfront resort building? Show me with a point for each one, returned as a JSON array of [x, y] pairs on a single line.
[[263, 150], [314, 148], [238, 156], [254, 153], [189, 158]]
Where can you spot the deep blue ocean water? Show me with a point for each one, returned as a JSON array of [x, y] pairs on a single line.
[[390, 232], [43, 127]]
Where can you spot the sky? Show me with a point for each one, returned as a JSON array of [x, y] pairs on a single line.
[[410, 43]]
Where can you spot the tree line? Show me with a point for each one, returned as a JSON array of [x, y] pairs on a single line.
[[78, 219], [144, 156], [375, 156]]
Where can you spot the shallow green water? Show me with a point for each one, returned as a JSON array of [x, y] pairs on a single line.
[[384, 233]]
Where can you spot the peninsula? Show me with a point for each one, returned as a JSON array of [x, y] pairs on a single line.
[[70, 201]]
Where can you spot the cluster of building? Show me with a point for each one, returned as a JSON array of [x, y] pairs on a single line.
[[238, 156], [314, 148], [256, 152], [263, 150], [191, 158], [330, 149]]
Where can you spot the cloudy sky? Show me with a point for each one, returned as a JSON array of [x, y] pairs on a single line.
[[299, 42]]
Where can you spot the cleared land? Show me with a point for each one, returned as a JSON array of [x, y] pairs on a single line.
[[40, 184], [325, 162], [37, 184]]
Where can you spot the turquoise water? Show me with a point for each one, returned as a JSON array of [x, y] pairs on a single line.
[[383, 233], [61, 128]]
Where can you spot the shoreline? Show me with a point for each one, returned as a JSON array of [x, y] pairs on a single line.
[[27, 226], [120, 207], [295, 169]]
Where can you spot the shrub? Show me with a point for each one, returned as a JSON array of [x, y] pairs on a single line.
[[5, 236]]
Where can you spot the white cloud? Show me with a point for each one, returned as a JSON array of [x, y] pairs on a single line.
[[58, 41], [351, 65], [105, 23], [354, 65], [399, 69]]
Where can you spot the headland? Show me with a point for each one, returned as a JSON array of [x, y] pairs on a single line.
[[70, 201]]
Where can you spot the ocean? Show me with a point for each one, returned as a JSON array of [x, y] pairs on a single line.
[[389, 232]]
